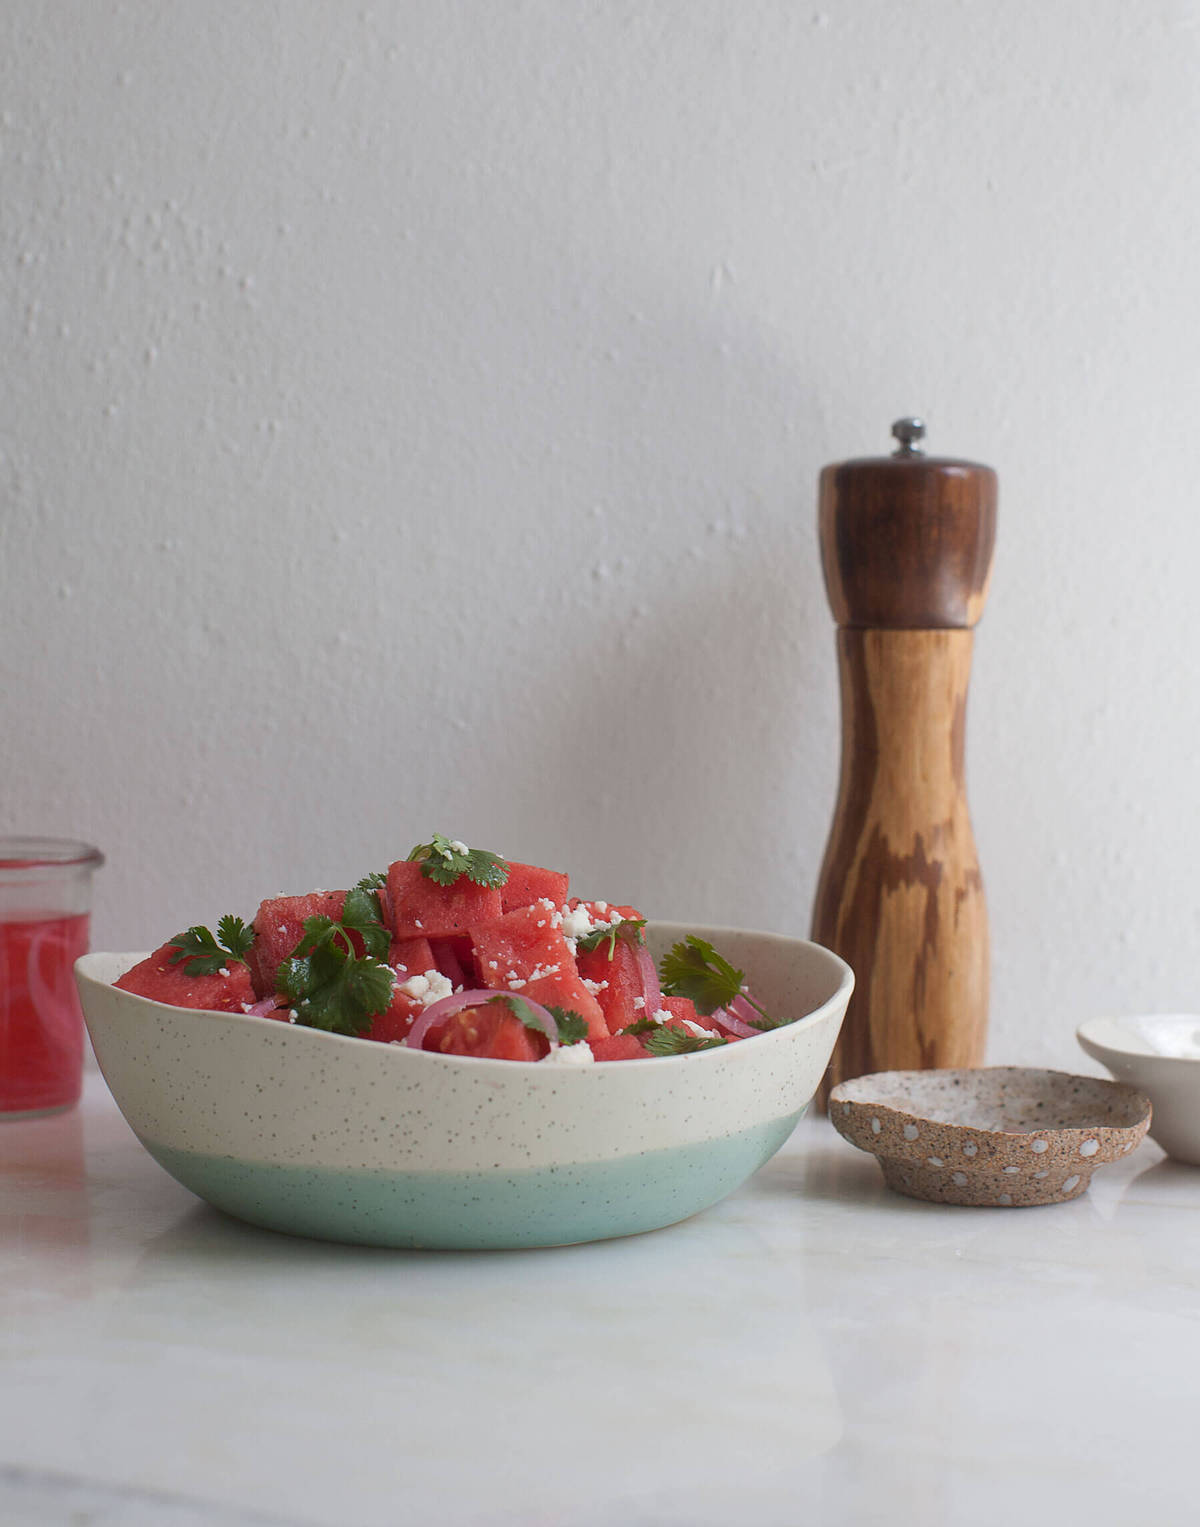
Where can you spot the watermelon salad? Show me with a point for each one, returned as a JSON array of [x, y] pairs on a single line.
[[457, 951]]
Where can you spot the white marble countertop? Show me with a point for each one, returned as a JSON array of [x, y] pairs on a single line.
[[813, 1349]]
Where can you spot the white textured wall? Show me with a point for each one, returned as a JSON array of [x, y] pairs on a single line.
[[411, 418]]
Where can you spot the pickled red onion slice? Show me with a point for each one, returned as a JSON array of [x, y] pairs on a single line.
[[446, 1007], [734, 1025], [651, 990], [747, 1012], [267, 1005]]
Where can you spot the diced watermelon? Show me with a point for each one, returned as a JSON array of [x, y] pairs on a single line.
[[525, 952], [606, 911], [421, 908], [682, 1008], [408, 957], [156, 977], [277, 929], [619, 1047], [413, 956], [528, 883], [455, 959], [683, 1011], [489, 1031], [618, 979], [394, 1023]]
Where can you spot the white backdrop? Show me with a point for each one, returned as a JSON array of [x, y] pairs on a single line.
[[412, 416]]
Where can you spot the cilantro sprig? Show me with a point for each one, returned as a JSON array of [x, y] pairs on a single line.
[[629, 928], [444, 860], [201, 954], [362, 906], [669, 1041], [694, 969], [662, 1039], [328, 983], [572, 1026]]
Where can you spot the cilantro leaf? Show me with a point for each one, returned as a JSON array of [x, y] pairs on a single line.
[[294, 978], [629, 928], [331, 987], [347, 1004], [572, 1026], [640, 1026], [668, 1041], [373, 882], [233, 933], [363, 913], [444, 860], [694, 969], [201, 954]]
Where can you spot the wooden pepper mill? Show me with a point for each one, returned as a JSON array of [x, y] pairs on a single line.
[[906, 546]]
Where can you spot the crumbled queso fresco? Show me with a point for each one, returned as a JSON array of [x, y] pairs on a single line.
[[426, 989], [578, 922], [569, 1055]]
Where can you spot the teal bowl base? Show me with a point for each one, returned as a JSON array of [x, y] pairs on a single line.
[[483, 1210]]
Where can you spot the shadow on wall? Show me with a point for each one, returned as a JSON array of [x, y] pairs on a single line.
[[711, 739]]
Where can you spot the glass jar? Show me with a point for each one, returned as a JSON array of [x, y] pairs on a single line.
[[45, 916]]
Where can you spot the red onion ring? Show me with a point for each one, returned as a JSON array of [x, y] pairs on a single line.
[[267, 1005], [651, 990], [733, 1025], [446, 1007], [747, 1012]]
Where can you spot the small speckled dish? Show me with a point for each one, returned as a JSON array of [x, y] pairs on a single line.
[[1160, 1053], [998, 1137], [344, 1140]]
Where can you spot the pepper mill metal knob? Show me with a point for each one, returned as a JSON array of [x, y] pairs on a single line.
[[906, 549], [910, 433]]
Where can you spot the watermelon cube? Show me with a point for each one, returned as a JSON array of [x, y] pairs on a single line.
[[493, 1032], [277, 929], [605, 911], [619, 1047], [157, 978], [421, 908], [411, 957], [525, 951], [617, 982], [681, 1008], [408, 957], [398, 1018], [453, 957], [528, 883]]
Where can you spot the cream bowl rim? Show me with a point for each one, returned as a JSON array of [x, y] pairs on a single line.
[[85, 970]]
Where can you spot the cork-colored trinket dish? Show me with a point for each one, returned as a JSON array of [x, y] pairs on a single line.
[[998, 1137]]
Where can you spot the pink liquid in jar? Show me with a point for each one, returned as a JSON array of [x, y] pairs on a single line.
[[41, 1026]]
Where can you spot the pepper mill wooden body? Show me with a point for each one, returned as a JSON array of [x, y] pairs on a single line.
[[906, 547]]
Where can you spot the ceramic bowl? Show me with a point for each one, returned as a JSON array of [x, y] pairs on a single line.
[[325, 1136], [999, 1137], [1160, 1053]]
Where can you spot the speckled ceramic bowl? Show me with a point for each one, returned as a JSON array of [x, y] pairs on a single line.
[[344, 1140], [998, 1137], [1160, 1053]]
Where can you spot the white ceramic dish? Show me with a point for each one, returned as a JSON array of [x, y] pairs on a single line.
[[337, 1138], [1160, 1053]]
